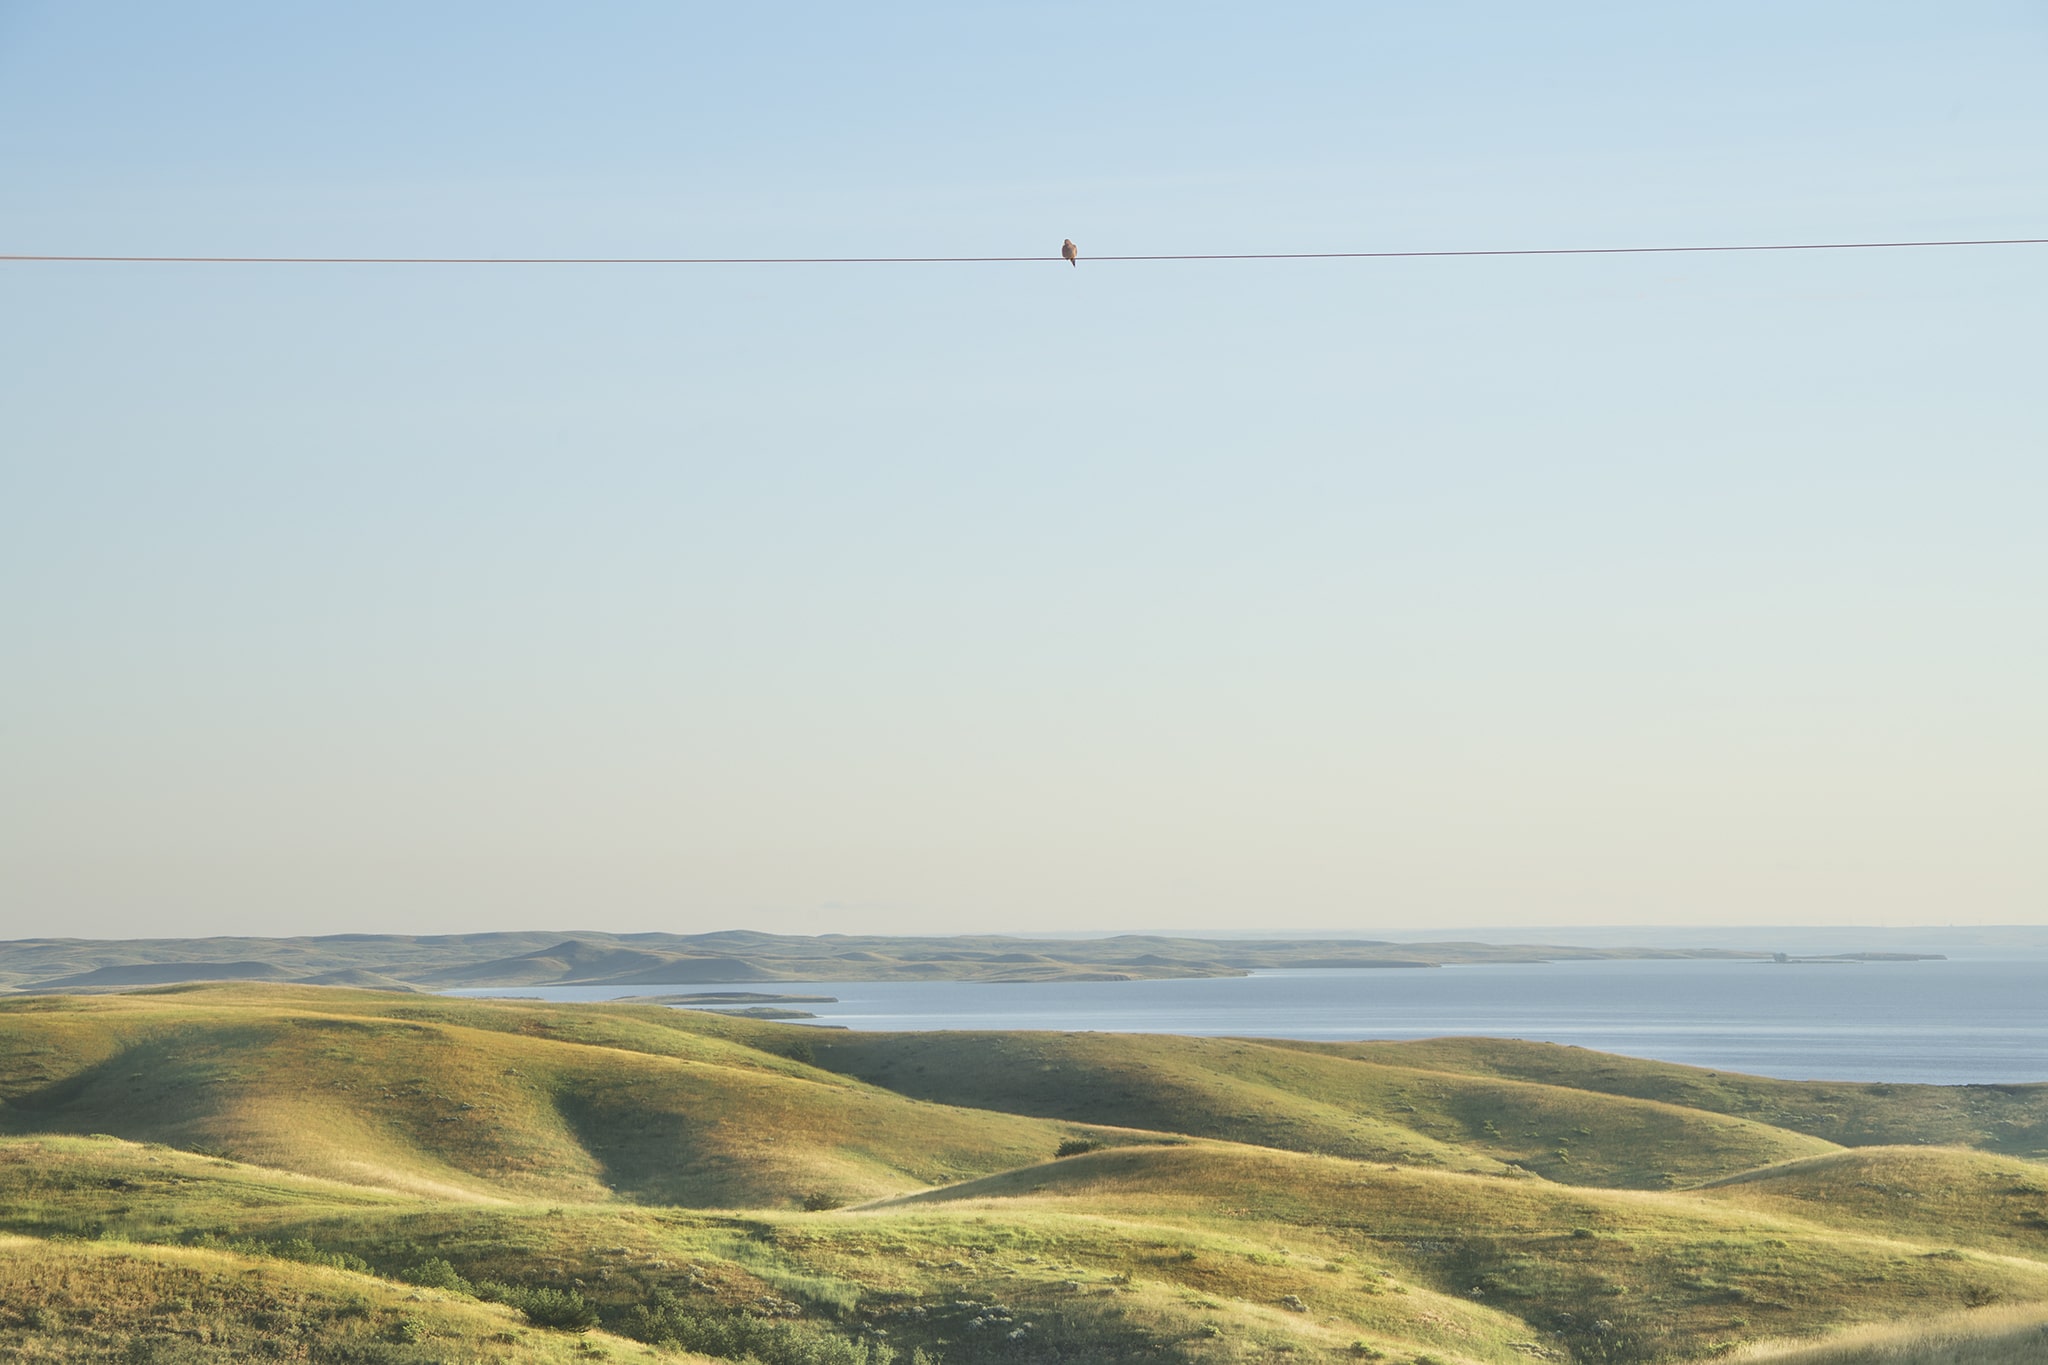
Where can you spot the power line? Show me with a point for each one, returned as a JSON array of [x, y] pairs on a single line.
[[1007, 260]]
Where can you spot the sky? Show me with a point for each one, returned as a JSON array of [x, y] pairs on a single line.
[[1340, 595]]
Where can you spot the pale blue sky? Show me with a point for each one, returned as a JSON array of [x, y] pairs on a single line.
[[1361, 594]]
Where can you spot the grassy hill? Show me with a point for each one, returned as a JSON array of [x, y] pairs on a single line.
[[2002, 1118], [1663, 1270], [1255, 1091], [372, 1176], [483, 1101], [1966, 1198]]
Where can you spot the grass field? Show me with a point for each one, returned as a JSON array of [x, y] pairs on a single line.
[[1988, 1336], [263, 1172]]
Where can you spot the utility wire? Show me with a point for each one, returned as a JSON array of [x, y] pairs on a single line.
[[1004, 260]]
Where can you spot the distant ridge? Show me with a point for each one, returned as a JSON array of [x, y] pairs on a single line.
[[589, 958], [163, 974], [574, 962]]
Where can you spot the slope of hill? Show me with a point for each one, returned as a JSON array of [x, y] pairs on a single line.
[[452, 1111], [1940, 1194], [68, 1301], [1247, 1090], [2002, 1118], [1662, 1270], [1987, 1336]]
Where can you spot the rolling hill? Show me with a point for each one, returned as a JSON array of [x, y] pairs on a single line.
[[1255, 1091], [383, 1176]]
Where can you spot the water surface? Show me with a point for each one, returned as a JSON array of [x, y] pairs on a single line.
[[1949, 1022]]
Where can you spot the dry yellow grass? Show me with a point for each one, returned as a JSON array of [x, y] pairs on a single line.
[[1940, 1194], [2012, 1119], [2016, 1335], [75, 1301]]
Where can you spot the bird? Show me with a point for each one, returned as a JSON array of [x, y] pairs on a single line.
[[1070, 252]]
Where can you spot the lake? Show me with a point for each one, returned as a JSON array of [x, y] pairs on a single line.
[[1954, 1022]]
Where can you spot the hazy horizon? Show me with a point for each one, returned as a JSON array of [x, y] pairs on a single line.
[[1648, 590], [2003, 940]]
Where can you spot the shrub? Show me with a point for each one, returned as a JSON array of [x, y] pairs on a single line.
[[1075, 1146], [564, 1309], [436, 1273], [732, 1335]]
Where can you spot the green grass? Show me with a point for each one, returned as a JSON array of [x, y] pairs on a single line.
[[202, 1168]]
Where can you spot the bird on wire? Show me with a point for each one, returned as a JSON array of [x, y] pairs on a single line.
[[1070, 252]]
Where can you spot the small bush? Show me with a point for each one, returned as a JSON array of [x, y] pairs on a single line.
[[436, 1273], [731, 1335], [1076, 1146], [563, 1309]]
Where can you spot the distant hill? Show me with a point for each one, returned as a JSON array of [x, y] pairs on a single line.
[[578, 962], [591, 958], [162, 973]]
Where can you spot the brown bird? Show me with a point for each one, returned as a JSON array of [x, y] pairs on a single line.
[[1071, 252]]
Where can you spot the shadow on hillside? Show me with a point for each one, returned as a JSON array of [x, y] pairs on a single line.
[[651, 1156], [179, 1093]]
